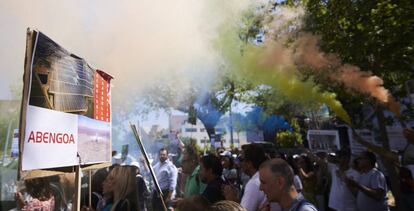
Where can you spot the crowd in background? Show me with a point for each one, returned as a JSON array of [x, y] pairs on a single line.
[[253, 178]]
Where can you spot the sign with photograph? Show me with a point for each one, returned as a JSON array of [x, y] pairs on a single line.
[[323, 140], [66, 108]]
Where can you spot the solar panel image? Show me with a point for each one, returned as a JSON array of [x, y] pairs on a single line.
[[61, 80]]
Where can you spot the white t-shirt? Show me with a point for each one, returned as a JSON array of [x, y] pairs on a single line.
[[340, 197], [333, 194], [253, 197], [347, 200], [372, 179]]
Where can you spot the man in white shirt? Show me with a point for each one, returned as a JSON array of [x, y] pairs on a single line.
[[166, 174], [371, 185], [251, 158], [276, 181], [341, 197]]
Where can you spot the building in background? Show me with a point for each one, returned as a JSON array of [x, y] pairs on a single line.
[[199, 133]]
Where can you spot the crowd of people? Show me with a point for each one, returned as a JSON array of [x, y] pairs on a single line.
[[251, 179]]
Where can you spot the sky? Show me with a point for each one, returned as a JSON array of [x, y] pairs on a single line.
[[135, 41]]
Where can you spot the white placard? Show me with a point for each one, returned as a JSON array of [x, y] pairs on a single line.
[[323, 140], [50, 139]]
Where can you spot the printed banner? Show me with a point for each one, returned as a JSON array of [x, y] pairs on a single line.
[[68, 118], [323, 140], [50, 139]]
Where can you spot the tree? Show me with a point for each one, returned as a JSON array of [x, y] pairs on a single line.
[[208, 103], [290, 138], [239, 124], [374, 35]]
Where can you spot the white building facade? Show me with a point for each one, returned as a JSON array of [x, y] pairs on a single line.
[[199, 133]]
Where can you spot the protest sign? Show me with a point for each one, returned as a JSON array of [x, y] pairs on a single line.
[[66, 107], [323, 140]]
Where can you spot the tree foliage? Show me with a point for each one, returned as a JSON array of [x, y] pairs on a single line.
[[207, 102], [377, 36], [290, 138]]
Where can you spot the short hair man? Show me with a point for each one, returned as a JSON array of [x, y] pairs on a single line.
[[190, 167], [210, 173], [276, 181], [371, 185], [166, 174], [251, 158]]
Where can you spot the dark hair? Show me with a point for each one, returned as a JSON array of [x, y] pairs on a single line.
[[39, 188], [212, 162], [255, 154], [163, 149], [370, 156], [280, 167], [291, 161], [231, 161], [343, 154], [191, 152], [97, 180], [308, 163]]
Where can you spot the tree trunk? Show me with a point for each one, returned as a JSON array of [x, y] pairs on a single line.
[[389, 165]]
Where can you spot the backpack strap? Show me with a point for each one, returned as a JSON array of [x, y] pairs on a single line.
[[302, 203]]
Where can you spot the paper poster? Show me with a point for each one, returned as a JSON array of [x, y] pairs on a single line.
[[51, 139], [323, 140], [94, 143], [67, 120]]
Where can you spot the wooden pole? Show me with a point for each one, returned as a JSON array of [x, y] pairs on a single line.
[[77, 202], [144, 152], [90, 187]]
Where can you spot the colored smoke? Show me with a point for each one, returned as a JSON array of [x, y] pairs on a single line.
[[274, 64], [309, 54], [287, 51]]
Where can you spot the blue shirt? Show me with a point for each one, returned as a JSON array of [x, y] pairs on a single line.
[[166, 174]]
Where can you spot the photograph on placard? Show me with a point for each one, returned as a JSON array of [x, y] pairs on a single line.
[[93, 140]]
